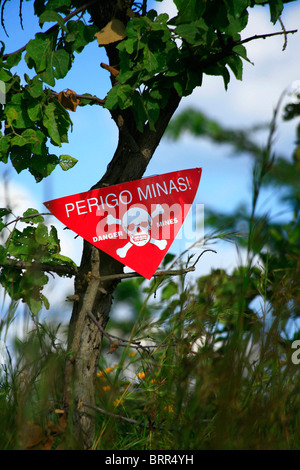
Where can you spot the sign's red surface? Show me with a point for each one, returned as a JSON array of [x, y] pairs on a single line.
[[133, 222]]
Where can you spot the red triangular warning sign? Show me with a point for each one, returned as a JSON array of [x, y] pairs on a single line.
[[133, 222]]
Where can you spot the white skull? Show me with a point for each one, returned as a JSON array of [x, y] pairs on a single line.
[[137, 224]]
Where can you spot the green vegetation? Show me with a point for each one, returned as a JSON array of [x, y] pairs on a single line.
[[208, 366], [199, 363]]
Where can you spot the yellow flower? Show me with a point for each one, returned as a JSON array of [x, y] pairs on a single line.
[[106, 388], [108, 370], [118, 402], [100, 374], [141, 375], [169, 408], [131, 354]]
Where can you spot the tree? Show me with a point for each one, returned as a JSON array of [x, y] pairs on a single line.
[[154, 61]]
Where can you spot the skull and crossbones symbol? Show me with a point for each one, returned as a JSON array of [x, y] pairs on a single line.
[[137, 222]]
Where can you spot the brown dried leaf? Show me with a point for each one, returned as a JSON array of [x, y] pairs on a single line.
[[68, 99], [113, 347], [114, 31]]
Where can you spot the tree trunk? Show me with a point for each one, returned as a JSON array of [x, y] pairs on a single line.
[[94, 296]]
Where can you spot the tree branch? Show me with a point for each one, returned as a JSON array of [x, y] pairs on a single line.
[[17, 219], [116, 416], [61, 269], [264, 36], [73, 270], [97, 100], [116, 341], [227, 50], [55, 26]]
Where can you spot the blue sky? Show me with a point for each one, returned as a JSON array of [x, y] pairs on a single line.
[[226, 179]]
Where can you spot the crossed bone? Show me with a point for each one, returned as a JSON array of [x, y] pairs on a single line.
[[122, 252]]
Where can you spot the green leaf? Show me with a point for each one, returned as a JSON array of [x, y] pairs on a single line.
[[4, 211], [219, 70], [20, 158], [241, 51], [41, 234], [42, 165], [234, 8], [34, 111], [52, 16], [151, 62], [11, 115], [35, 219], [3, 254], [35, 305], [16, 113], [79, 35], [49, 121], [13, 59], [5, 76], [66, 162], [29, 136], [61, 63], [111, 101], [236, 65], [189, 10], [38, 51], [4, 148], [35, 88], [193, 32], [139, 111], [58, 4], [276, 7], [168, 259]]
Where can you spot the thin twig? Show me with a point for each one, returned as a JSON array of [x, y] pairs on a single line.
[[85, 97], [172, 272], [20, 218], [123, 418], [73, 270], [129, 420], [54, 27], [264, 36], [121, 342], [284, 32], [208, 249], [100, 327], [211, 60], [2, 17]]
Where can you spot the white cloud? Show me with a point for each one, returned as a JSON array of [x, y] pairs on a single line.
[[16, 196]]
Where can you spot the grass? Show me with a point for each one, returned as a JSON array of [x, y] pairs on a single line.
[[208, 364]]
